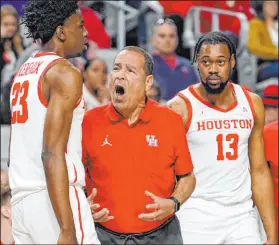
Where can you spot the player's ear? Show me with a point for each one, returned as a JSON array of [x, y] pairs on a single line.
[[60, 33], [148, 82], [6, 211], [233, 61]]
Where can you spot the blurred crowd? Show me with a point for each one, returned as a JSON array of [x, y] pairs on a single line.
[[160, 35]]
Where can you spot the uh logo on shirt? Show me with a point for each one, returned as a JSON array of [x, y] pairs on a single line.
[[151, 140]]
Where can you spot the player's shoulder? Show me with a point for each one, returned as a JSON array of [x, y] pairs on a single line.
[[65, 73], [179, 103], [179, 98], [255, 98], [63, 66]]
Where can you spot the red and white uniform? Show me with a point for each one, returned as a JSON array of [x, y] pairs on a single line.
[[26, 172], [220, 209]]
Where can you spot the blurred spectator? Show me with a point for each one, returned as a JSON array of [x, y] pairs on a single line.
[[155, 93], [95, 92], [149, 13], [34, 47], [177, 11], [6, 219], [180, 49], [227, 22], [131, 21], [11, 43], [263, 38], [173, 73], [270, 101], [4, 177], [97, 35], [18, 4]]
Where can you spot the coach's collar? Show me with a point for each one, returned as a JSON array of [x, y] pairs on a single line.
[[144, 116]]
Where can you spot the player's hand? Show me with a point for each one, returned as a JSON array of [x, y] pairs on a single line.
[[100, 216], [67, 237], [163, 207]]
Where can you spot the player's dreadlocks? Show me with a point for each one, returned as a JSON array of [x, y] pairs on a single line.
[[43, 16], [215, 37]]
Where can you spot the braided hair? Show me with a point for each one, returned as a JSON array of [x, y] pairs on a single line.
[[215, 37]]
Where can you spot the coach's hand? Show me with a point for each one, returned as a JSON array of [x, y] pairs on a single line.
[[163, 207], [102, 215], [67, 237]]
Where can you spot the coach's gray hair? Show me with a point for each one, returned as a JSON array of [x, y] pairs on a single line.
[[148, 62]]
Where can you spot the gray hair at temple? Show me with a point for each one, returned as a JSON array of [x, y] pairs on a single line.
[[148, 62]]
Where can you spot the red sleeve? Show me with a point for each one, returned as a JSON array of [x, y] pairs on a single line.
[[95, 28], [268, 143], [183, 163]]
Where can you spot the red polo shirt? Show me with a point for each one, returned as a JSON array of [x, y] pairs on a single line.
[[122, 161], [271, 155]]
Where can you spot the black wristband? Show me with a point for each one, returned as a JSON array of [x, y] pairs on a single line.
[[176, 202]]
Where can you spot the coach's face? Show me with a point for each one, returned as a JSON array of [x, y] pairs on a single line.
[[128, 81], [215, 66], [73, 34]]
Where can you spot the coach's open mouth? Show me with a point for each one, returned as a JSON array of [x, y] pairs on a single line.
[[119, 90]]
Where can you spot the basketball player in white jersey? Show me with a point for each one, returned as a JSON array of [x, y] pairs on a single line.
[[224, 125], [46, 173]]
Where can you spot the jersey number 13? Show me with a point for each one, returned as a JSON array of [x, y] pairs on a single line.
[[232, 140]]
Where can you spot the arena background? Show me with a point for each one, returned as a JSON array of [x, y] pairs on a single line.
[[132, 23]]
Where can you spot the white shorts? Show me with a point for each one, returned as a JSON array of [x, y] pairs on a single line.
[[208, 223], [34, 221]]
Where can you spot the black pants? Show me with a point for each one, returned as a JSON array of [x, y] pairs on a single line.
[[167, 233]]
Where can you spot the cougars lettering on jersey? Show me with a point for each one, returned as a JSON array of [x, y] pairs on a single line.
[[218, 143], [28, 111]]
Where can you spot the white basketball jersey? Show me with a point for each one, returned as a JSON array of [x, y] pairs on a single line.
[[28, 110], [218, 143]]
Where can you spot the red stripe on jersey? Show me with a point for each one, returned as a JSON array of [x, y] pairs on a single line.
[[79, 216], [40, 91], [75, 180], [248, 97], [77, 104]]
